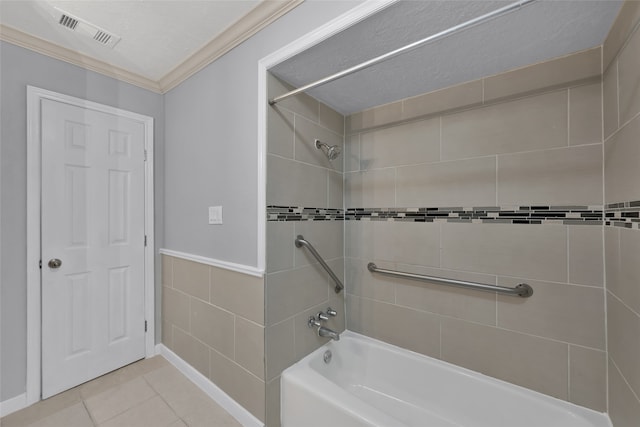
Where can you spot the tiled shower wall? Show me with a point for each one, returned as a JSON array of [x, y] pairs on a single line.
[[214, 320], [299, 176], [497, 181], [622, 196]]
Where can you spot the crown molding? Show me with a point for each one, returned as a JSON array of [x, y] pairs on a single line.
[[18, 38], [263, 14], [259, 17]]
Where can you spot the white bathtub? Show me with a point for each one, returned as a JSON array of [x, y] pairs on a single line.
[[371, 383]]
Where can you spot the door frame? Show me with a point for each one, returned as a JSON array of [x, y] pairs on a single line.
[[34, 278]]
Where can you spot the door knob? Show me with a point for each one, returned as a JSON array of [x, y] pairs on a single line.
[[54, 263]]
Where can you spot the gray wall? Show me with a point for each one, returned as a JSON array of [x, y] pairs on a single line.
[[211, 150], [19, 68]]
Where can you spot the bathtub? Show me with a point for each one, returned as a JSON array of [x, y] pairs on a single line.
[[371, 383]]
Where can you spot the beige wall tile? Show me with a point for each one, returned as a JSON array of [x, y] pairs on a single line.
[[588, 378], [530, 251], [175, 308], [331, 119], [194, 352], [280, 247], [289, 292], [273, 403], [621, 160], [612, 257], [191, 277], [239, 293], [167, 270], [531, 123], [335, 195], [242, 386], [327, 237], [502, 354], [351, 153], [585, 255], [459, 96], [610, 100], [377, 116], [470, 182], [362, 283], [568, 313], [300, 104], [629, 83], [306, 132], [624, 407], [370, 189], [167, 334], [449, 301], [561, 176], [280, 350], [627, 287], [623, 328], [249, 351], [280, 137], [585, 114], [213, 326], [407, 144], [627, 18], [411, 329], [394, 241], [291, 183], [555, 72]]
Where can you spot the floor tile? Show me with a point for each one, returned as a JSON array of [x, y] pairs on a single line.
[[153, 412], [42, 409], [73, 416], [150, 392], [118, 399]]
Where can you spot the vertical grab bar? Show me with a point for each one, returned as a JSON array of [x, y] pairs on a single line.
[[300, 242]]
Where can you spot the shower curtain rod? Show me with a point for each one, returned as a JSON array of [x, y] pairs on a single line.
[[407, 48]]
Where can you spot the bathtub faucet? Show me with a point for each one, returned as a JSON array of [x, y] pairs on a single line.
[[322, 330], [326, 332]]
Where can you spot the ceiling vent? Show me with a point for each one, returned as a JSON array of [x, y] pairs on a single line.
[[79, 26]]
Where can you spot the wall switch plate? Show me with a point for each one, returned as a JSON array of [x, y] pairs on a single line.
[[215, 214]]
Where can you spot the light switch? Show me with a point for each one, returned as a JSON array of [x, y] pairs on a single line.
[[215, 214]]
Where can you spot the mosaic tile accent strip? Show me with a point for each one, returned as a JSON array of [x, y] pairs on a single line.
[[567, 215], [289, 213], [623, 214]]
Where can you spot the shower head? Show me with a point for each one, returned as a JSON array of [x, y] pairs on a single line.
[[332, 151]]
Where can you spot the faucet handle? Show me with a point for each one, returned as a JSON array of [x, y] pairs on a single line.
[[331, 312], [313, 322], [323, 317]]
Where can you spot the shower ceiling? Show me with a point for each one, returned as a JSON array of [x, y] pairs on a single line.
[[535, 33]]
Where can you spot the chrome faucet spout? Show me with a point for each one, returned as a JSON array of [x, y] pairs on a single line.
[[326, 332]]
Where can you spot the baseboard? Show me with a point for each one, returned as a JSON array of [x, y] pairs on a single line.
[[246, 418], [12, 405]]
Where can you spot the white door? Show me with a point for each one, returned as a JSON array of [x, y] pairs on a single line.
[[92, 244]]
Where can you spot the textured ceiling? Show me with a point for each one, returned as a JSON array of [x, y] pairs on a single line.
[[157, 35], [534, 33]]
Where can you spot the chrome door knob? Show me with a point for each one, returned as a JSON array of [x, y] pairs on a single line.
[[54, 263]]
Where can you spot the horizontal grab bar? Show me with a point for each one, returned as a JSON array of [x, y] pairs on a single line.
[[300, 242], [522, 290]]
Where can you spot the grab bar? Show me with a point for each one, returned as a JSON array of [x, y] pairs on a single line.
[[522, 290], [300, 242]]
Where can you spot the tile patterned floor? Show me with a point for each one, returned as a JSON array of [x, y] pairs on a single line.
[[148, 393]]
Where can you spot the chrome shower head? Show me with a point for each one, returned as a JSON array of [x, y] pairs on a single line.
[[332, 151]]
